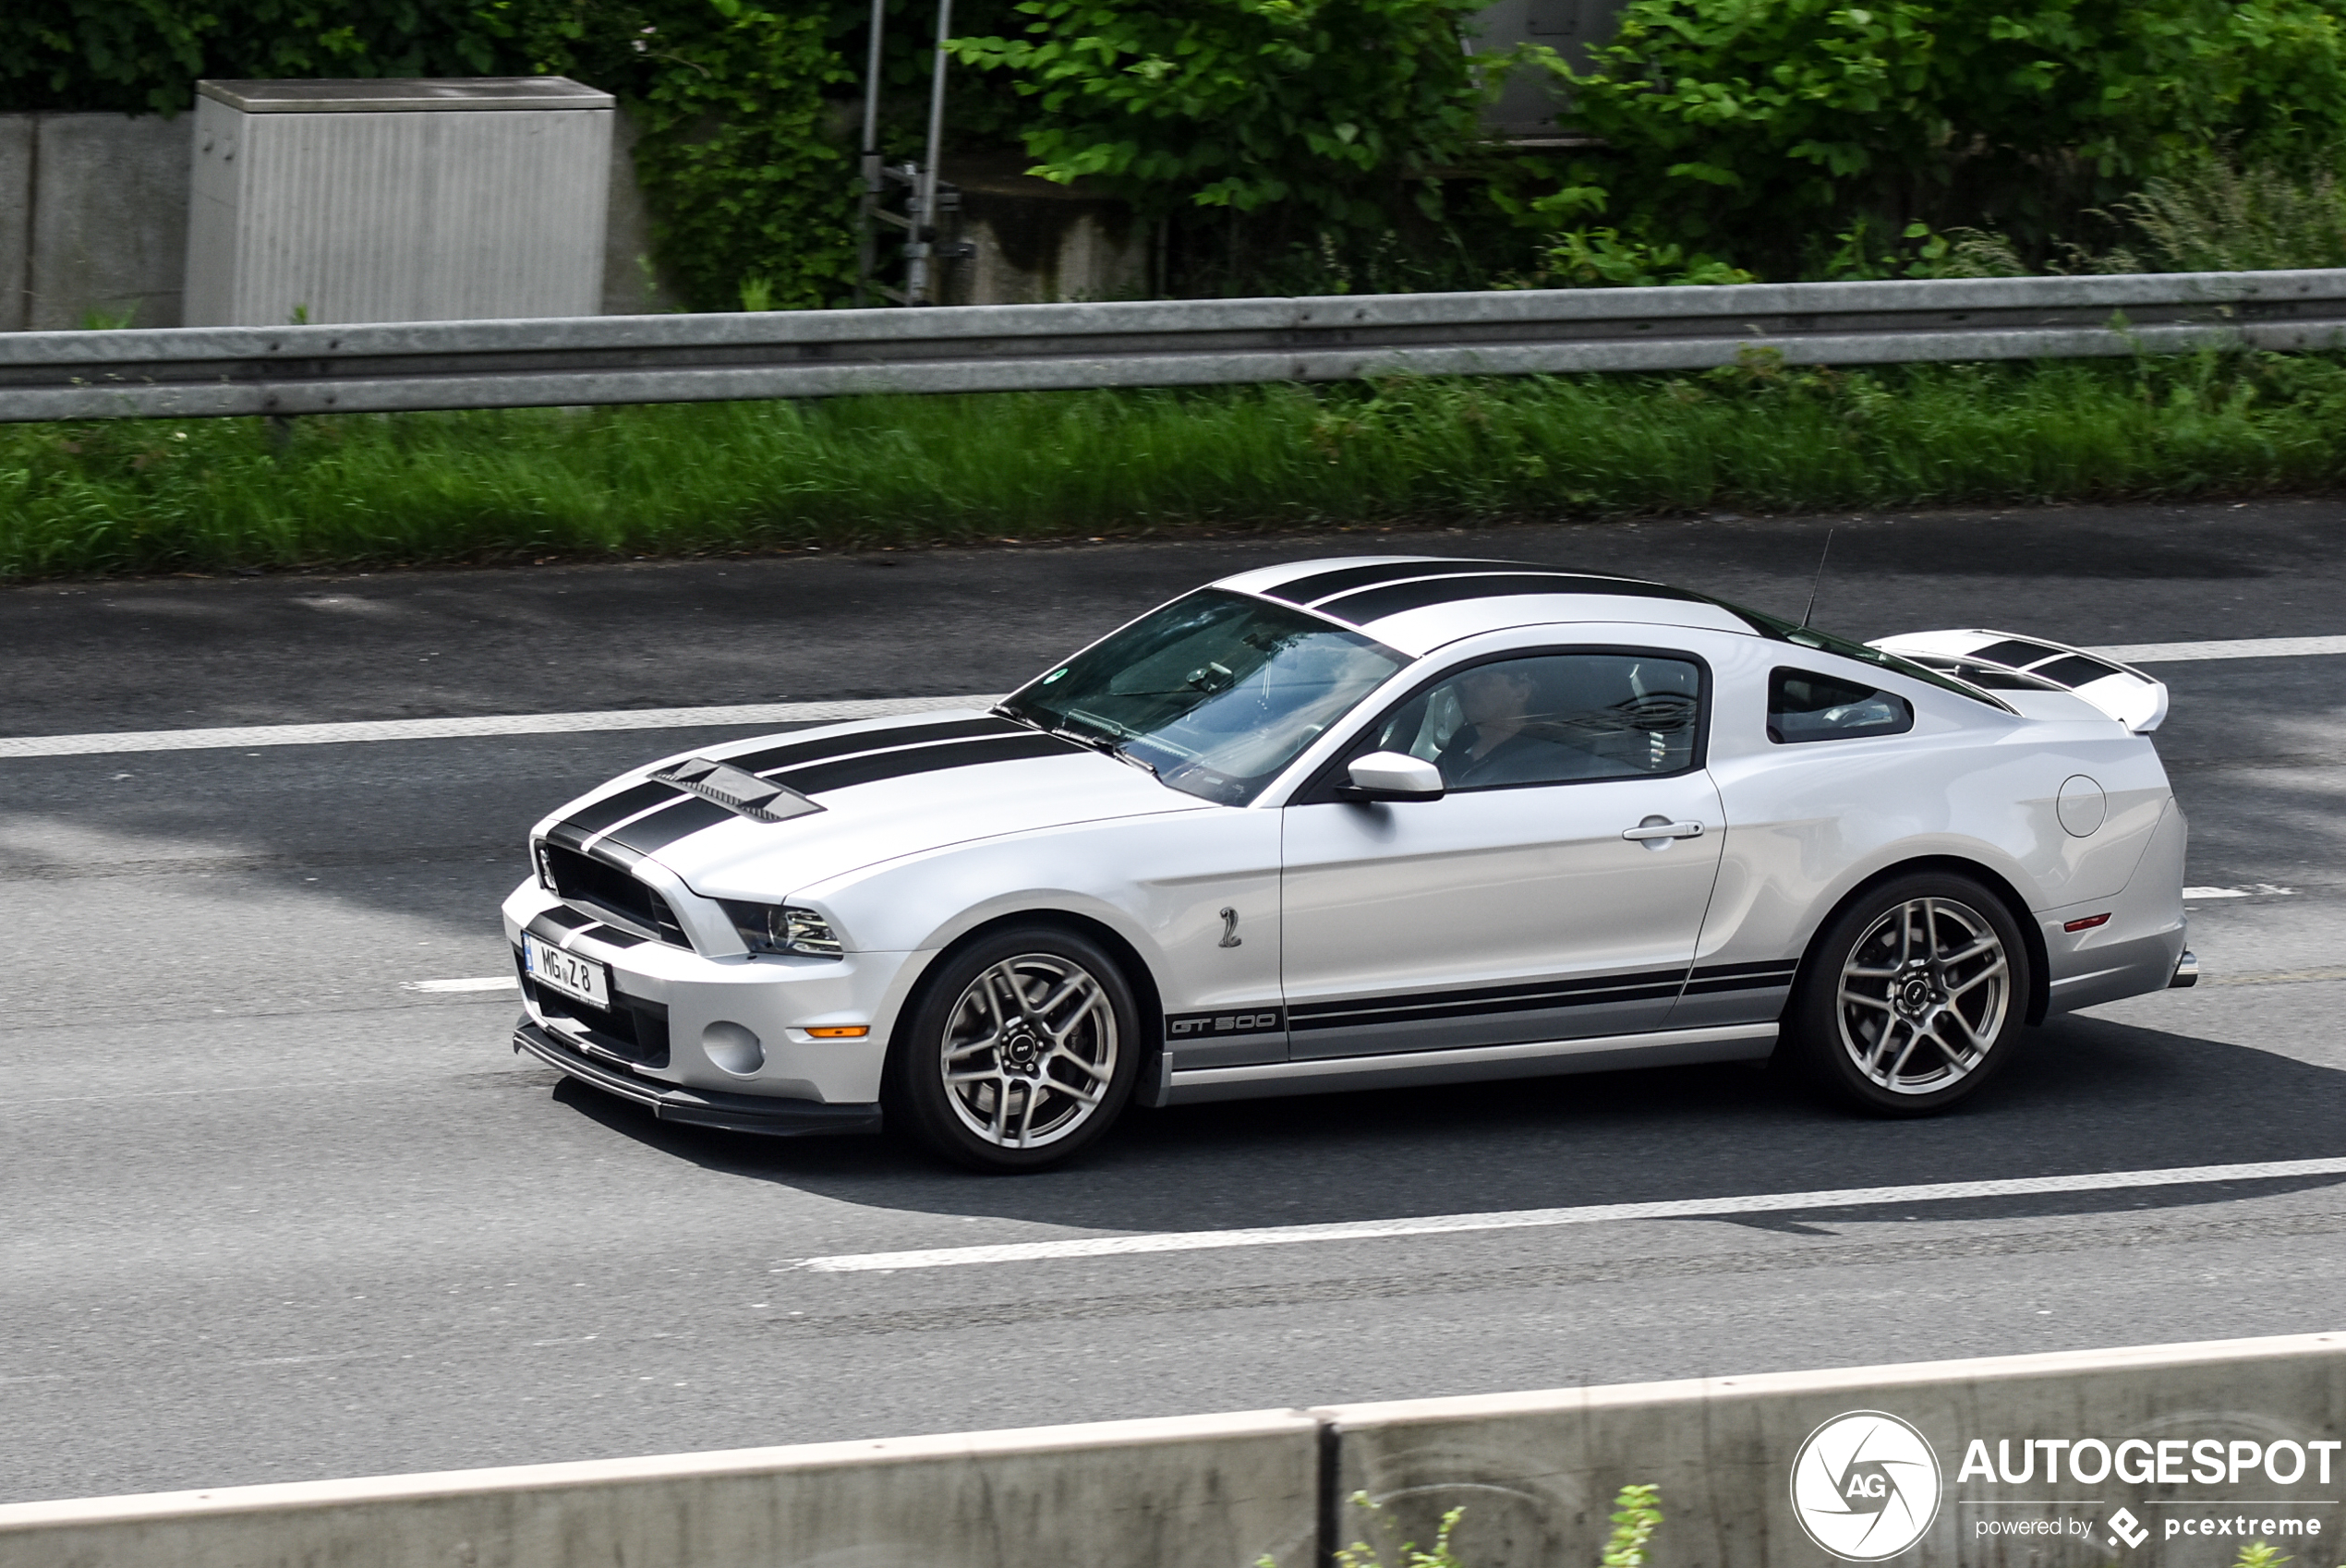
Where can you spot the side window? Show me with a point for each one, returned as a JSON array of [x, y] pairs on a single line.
[[1803, 706], [1551, 718]]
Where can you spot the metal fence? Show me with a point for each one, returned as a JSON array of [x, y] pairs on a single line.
[[196, 371]]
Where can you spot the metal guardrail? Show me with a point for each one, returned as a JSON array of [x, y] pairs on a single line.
[[196, 371]]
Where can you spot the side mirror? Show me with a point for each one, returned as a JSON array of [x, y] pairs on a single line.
[[1393, 776]]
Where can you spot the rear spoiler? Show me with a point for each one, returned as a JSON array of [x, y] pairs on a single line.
[[2001, 661]]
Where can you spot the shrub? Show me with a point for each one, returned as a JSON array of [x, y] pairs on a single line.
[[1327, 105], [1751, 127]]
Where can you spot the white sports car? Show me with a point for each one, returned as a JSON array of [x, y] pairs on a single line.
[[1355, 824]]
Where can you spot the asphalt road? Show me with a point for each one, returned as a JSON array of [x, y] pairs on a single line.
[[264, 1214]]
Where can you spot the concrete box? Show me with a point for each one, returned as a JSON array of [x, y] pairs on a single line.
[[1528, 107], [397, 200]]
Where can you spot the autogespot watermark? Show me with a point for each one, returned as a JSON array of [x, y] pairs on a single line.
[[1866, 1486]]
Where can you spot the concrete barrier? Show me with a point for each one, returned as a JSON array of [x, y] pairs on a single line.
[[1205, 1491], [2150, 1457], [1537, 1472]]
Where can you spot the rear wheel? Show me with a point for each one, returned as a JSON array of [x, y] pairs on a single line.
[[1022, 1050], [1911, 997]]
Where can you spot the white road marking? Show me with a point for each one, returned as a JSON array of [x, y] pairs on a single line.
[[486, 982], [467, 729], [1529, 1219], [2238, 647], [107, 744], [2252, 890]]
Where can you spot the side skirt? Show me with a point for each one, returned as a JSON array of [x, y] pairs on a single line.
[[1729, 1043]]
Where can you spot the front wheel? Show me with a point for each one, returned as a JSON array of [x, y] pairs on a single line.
[[1911, 997], [1021, 1051]]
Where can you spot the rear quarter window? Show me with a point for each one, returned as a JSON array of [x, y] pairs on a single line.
[[1803, 706]]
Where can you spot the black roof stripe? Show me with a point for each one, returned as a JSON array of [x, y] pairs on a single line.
[[1365, 605], [792, 753], [1320, 585], [816, 778]]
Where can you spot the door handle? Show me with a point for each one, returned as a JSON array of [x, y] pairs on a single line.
[[1655, 827]]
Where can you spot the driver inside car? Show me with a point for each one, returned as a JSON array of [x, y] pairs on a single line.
[[1495, 744]]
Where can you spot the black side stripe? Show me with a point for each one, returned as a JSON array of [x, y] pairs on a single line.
[[792, 753], [1373, 604], [1323, 585], [1771, 965], [1712, 978], [817, 778], [1650, 986]]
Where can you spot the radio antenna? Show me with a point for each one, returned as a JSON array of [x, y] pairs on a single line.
[[1822, 556]]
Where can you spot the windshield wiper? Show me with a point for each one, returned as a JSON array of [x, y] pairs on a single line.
[[1106, 745], [1003, 711]]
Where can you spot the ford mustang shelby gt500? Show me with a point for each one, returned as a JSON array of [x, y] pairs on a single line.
[[1349, 824]]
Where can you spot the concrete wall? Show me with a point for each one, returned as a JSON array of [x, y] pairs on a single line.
[[93, 223], [1536, 1473], [1216, 1492], [1038, 243], [101, 236]]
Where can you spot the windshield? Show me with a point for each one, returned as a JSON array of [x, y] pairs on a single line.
[[1215, 693]]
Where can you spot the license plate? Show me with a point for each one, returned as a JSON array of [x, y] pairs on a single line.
[[566, 972]]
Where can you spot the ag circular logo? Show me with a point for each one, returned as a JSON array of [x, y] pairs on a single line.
[[1865, 1486]]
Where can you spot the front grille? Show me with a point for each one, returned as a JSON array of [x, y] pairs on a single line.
[[631, 1031], [604, 890]]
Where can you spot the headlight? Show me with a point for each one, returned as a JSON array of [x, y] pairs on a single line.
[[784, 928]]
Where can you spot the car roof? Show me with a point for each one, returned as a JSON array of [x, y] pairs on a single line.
[[1415, 603]]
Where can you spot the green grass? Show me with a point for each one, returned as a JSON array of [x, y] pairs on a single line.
[[214, 495]]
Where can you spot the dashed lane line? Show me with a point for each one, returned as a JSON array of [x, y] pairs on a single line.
[[1535, 1218], [2237, 647], [222, 739], [231, 737]]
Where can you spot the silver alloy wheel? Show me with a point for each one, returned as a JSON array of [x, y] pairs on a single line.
[[1923, 996], [1029, 1050]]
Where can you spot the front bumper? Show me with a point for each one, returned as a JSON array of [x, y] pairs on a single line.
[[718, 1028], [700, 1107]]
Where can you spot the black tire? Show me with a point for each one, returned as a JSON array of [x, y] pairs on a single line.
[[1038, 1082], [1951, 972]]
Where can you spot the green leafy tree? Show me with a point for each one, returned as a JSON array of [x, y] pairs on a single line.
[[750, 187], [1326, 105], [146, 55], [1743, 123]]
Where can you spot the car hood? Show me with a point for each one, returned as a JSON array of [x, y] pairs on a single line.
[[856, 795]]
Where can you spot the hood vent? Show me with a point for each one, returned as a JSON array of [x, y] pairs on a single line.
[[744, 794]]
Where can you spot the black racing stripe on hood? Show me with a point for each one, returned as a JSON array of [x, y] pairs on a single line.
[[1375, 604], [619, 808], [649, 835], [1320, 585], [793, 754], [820, 777]]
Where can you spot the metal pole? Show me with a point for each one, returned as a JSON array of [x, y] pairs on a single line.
[[867, 225], [925, 204]]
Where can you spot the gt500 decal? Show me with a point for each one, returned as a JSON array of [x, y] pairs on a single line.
[[1196, 1026]]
